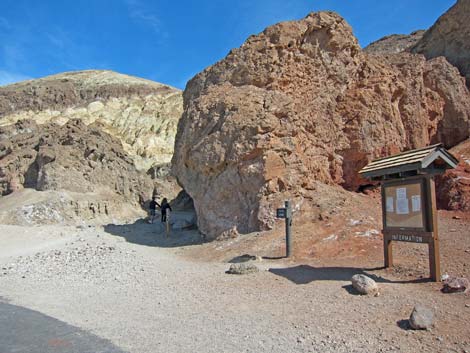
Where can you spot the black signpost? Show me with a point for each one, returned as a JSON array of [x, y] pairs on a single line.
[[286, 213]]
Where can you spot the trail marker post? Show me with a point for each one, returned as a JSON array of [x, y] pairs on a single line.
[[286, 213]]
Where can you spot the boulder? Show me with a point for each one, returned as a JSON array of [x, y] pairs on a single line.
[[364, 284], [455, 285], [242, 269], [295, 112], [421, 318]]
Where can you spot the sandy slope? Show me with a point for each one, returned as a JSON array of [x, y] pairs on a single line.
[[133, 286]]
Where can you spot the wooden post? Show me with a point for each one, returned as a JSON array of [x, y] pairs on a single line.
[[388, 253], [433, 247]]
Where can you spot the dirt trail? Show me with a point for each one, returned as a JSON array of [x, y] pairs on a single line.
[[146, 293]]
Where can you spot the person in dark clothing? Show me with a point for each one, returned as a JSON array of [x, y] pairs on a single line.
[[164, 207], [153, 209]]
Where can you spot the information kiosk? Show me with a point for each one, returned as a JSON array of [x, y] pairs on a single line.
[[409, 198]]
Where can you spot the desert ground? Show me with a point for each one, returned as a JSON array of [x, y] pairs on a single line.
[[144, 292]]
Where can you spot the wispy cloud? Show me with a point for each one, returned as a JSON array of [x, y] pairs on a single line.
[[142, 14], [7, 77]]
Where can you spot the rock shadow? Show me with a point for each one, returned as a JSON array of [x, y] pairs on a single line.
[[351, 290], [304, 274], [404, 324], [142, 233]]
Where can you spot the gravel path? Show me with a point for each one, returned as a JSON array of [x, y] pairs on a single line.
[[137, 289]]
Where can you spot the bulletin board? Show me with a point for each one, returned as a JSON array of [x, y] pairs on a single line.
[[403, 205]]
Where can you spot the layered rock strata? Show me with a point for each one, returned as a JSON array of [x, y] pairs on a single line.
[[301, 108], [142, 114]]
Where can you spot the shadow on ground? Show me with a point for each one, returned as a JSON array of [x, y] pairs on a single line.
[[143, 233], [304, 274], [28, 331]]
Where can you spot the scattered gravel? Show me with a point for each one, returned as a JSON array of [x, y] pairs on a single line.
[[146, 298]]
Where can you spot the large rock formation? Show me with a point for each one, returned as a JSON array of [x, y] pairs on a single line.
[[449, 37], [90, 168], [300, 107], [394, 43], [142, 114]]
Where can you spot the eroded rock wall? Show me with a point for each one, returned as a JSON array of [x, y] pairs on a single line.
[[449, 37], [300, 107], [72, 158]]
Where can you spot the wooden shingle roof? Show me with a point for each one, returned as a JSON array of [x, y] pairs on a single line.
[[428, 159]]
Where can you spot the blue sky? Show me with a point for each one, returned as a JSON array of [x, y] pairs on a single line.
[[170, 41]]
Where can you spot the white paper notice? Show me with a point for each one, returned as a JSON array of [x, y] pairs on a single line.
[[402, 206], [416, 203], [389, 204], [401, 193]]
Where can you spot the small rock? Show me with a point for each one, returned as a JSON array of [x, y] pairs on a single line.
[[242, 269], [229, 234], [467, 305], [455, 285], [421, 318], [364, 284], [456, 217]]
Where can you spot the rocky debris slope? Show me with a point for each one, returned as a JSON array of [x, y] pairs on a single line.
[[87, 165], [142, 114], [394, 43], [449, 37], [298, 109]]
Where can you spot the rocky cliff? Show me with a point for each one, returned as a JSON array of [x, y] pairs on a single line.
[[142, 114], [449, 37], [394, 43], [301, 108], [94, 175]]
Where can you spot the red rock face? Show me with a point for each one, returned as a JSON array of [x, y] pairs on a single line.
[[453, 188], [300, 107]]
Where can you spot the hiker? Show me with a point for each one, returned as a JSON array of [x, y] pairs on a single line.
[[164, 207], [153, 209]]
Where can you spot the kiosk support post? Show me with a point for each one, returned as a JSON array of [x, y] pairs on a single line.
[[388, 252], [433, 249]]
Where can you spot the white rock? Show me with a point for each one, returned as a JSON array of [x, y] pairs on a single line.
[[364, 284], [421, 318]]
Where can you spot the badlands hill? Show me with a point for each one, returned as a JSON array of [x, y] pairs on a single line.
[[142, 114], [296, 111], [394, 43], [84, 146]]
